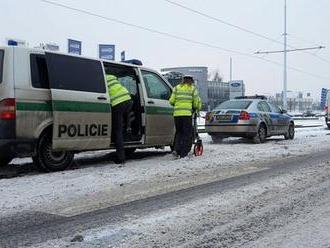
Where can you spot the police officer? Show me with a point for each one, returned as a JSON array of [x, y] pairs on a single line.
[[186, 100], [121, 106]]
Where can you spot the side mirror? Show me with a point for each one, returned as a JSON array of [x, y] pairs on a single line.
[[283, 111]]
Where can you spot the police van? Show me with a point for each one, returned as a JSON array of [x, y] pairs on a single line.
[[53, 105]]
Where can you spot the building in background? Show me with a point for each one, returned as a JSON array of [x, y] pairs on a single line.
[[199, 73], [173, 77], [218, 92], [212, 92], [49, 46], [298, 101]]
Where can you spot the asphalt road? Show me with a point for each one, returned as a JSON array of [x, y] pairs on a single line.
[[258, 204]]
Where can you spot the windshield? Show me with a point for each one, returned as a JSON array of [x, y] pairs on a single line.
[[1, 64], [234, 105]]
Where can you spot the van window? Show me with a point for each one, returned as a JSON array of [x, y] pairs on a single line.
[[126, 75], [156, 86], [39, 73], [73, 73], [2, 53]]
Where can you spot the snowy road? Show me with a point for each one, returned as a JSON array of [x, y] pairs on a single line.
[[238, 194]]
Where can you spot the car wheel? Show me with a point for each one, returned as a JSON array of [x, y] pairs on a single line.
[[48, 160], [261, 135], [130, 151], [5, 160], [216, 138], [290, 132]]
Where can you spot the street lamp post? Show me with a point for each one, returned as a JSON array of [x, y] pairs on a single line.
[[285, 52]]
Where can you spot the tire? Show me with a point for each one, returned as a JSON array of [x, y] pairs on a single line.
[[261, 135], [49, 161], [290, 133], [216, 138], [129, 151], [5, 160]]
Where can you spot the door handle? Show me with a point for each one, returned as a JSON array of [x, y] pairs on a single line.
[[103, 98], [151, 102]]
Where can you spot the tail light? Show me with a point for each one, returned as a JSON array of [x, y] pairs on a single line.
[[8, 109], [326, 109], [244, 116]]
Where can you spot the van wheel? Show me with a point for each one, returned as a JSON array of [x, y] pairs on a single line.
[[129, 151], [48, 160], [5, 160], [261, 135]]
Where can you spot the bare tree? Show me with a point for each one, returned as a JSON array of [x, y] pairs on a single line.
[[217, 77]]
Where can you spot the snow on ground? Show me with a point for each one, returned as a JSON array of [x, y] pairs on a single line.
[[233, 217], [183, 221], [76, 191]]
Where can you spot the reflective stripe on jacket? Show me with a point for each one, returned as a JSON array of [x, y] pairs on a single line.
[[185, 99], [118, 93]]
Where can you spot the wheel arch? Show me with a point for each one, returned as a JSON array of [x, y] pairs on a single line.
[[45, 126]]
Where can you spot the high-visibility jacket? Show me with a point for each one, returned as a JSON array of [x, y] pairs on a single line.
[[118, 93], [185, 99]]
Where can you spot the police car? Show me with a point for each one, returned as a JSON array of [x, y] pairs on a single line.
[[251, 117], [53, 105]]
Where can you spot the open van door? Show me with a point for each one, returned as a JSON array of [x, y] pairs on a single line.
[[80, 102], [159, 113]]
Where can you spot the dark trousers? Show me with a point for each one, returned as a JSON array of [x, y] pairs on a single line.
[[120, 115], [183, 135]]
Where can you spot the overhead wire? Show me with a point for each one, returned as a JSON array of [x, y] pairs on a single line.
[[177, 37], [240, 28], [310, 53]]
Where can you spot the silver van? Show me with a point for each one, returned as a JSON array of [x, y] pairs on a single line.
[[53, 105]]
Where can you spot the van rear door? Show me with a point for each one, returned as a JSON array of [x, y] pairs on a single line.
[[80, 101]]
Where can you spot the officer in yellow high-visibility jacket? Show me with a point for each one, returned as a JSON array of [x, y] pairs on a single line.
[[186, 100], [121, 106]]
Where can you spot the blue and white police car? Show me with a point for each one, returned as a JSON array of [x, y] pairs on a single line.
[[250, 117]]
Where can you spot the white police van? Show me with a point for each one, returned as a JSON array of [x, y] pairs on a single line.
[[53, 105]]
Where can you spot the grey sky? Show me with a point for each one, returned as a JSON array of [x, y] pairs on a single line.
[[308, 25]]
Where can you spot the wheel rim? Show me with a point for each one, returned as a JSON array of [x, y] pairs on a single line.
[[53, 157], [291, 131], [262, 133]]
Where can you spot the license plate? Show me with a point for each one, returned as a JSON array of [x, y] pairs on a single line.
[[223, 117]]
